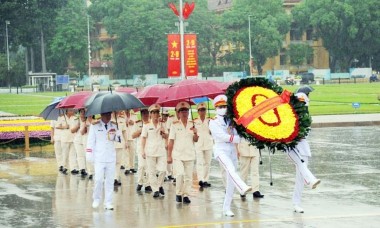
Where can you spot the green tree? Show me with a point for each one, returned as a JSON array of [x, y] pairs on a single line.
[[349, 29], [299, 54], [269, 24], [69, 45]]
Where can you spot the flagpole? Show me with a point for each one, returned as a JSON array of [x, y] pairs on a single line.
[[181, 32]]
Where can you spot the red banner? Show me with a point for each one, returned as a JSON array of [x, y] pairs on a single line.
[[191, 56], [174, 55]]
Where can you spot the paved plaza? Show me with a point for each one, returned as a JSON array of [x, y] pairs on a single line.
[[346, 159]]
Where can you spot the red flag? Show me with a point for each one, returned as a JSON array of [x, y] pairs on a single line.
[[188, 9], [174, 55], [174, 9]]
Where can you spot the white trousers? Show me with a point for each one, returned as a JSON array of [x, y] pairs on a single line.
[[104, 175], [303, 175], [183, 172], [69, 156], [249, 166], [203, 164], [129, 156], [119, 155], [142, 178], [80, 154], [156, 165], [58, 153], [228, 161]]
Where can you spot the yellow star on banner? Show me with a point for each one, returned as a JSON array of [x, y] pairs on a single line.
[[174, 44]]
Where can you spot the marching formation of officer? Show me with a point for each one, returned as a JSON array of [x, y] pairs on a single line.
[[167, 147]]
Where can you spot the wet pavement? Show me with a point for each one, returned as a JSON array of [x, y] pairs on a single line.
[[346, 159]]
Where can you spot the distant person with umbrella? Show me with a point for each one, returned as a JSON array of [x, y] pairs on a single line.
[[101, 150], [225, 139], [129, 156], [181, 152], [300, 156]]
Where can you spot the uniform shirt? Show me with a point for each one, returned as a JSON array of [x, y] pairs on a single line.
[[130, 128], [205, 141], [246, 150], [101, 142], [122, 128], [224, 136], [67, 136], [136, 127], [183, 148], [155, 144], [57, 132], [78, 136]]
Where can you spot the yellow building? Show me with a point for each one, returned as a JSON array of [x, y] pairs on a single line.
[[320, 59]]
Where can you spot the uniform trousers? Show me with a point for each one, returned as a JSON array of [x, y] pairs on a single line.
[[81, 155], [104, 174], [250, 165], [156, 165], [58, 152], [129, 156], [203, 164], [89, 165], [228, 161], [303, 175], [68, 155], [142, 178], [169, 169], [119, 156], [183, 172]]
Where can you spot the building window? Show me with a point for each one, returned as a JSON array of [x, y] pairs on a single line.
[[295, 32], [283, 57], [309, 33]]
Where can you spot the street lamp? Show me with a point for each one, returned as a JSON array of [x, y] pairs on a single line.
[[7, 22], [181, 32], [250, 45]]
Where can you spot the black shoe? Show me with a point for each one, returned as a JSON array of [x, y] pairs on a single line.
[[83, 173], [178, 198], [156, 194], [201, 183], [122, 167], [116, 183], [132, 171], [64, 171], [186, 200], [242, 196], [60, 169], [170, 177], [257, 194], [205, 184], [174, 180], [139, 187], [74, 172], [90, 177], [127, 172], [166, 179], [148, 189], [161, 190]]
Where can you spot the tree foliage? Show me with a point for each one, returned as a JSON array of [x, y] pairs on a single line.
[[349, 28], [299, 54]]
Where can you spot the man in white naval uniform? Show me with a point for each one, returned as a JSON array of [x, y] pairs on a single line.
[[225, 138], [300, 157], [101, 149]]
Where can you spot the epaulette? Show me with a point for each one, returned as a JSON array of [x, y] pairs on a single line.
[[137, 121], [94, 122], [113, 122], [175, 122], [195, 119], [171, 115]]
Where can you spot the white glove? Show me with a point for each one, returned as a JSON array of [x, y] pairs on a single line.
[[90, 157]]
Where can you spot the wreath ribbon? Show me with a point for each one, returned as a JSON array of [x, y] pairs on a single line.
[[264, 107]]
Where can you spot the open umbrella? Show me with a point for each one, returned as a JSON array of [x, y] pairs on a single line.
[[51, 112], [111, 102], [150, 94], [306, 89], [75, 100], [188, 89]]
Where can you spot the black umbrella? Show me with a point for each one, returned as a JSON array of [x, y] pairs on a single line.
[[111, 102], [51, 112], [306, 89]]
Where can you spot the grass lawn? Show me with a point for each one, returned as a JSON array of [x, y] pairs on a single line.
[[325, 99]]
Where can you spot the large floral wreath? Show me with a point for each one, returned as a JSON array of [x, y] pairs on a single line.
[[267, 115]]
